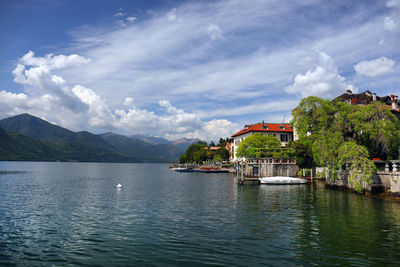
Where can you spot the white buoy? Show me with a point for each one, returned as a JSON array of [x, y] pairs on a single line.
[[119, 186]]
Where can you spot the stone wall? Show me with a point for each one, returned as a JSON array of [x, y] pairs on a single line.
[[383, 181]]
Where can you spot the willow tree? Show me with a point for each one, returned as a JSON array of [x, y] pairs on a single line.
[[333, 124]]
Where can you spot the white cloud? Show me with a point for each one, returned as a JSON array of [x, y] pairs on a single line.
[[211, 130], [128, 101], [99, 114], [393, 4], [80, 108], [323, 81], [171, 15], [120, 14], [215, 32], [168, 55], [318, 82], [131, 18], [389, 24], [376, 67]]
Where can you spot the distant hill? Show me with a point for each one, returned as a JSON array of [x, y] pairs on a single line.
[[26, 137], [19, 147], [148, 151], [181, 144], [34, 127], [151, 139], [184, 143]]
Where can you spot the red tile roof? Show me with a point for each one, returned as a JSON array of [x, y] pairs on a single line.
[[270, 127], [213, 148]]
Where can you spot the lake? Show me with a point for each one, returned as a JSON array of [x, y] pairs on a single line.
[[73, 214]]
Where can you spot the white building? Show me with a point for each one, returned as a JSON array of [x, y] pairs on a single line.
[[282, 131]]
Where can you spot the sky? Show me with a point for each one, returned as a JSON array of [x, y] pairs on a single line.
[[195, 69]]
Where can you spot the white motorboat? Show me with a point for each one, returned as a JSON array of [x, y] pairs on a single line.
[[282, 180]]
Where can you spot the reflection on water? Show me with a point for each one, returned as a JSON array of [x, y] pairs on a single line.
[[72, 213]]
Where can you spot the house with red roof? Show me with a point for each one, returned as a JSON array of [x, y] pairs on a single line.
[[282, 131]]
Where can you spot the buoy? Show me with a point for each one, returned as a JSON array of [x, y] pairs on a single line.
[[119, 186]]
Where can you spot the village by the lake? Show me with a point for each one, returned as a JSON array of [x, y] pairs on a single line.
[[361, 156]]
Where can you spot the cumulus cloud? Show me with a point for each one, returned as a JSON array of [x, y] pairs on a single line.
[[375, 67], [318, 82], [211, 130], [128, 101], [323, 81], [50, 96], [168, 55]]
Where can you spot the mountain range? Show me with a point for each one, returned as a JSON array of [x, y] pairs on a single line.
[[26, 137]]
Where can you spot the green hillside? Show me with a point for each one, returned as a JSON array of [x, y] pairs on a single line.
[[25, 137], [34, 127]]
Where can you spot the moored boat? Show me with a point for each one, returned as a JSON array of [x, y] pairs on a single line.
[[281, 180]]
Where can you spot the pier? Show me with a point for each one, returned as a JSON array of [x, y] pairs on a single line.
[[249, 171]]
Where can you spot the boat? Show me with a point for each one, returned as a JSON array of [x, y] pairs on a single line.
[[282, 180], [181, 169], [206, 169]]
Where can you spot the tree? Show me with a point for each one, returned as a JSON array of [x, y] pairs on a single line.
[[256, 144], [191, 151], [357, 159], [337, 132], [222, 142], [332, 123], [217, 158]]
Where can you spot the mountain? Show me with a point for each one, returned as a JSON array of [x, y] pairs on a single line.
[[89, 139], [184, 143], [151, 139], [19, 147], [15, 146], [34, 127], [46, 141], [181, 144], [138, 148]]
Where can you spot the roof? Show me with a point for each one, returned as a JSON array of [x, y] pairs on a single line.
[[213, 148], [268, 127]]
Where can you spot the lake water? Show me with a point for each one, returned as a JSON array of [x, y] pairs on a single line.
[[73, 214]]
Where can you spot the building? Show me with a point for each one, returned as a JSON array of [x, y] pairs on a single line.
[[282, 131], [365, 98]]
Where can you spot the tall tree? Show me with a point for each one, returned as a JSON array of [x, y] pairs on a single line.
[[336, 132], [256, 145]]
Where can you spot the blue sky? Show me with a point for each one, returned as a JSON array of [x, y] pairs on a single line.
[[190, 68]]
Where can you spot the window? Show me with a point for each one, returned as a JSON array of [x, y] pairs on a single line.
[[282, 127], [284, 138]]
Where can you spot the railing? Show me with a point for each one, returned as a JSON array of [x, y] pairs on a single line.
[[272, 161], [392, 166]]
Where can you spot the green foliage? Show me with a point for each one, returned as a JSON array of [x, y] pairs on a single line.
[[334, 132], [302, 151], [332, 123], [217, 158], [360, 166], [194, 153], [26, 137], [257, 145]]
